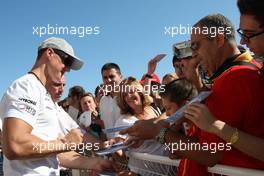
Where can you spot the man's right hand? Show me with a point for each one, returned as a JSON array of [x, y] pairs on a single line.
[[190, 71], [74, 137], [103, 165]]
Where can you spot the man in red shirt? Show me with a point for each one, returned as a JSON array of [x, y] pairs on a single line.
[[237, 96], [252, 34], [237, 99]]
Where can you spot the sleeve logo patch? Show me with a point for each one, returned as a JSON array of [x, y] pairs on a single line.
[[28, 109]]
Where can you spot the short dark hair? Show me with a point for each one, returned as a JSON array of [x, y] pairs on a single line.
[[40, 52], [252, 7], [175, 59], [216, 21], [179, 90], [109, 66], [97, 89], [89, 94], [77, 91]]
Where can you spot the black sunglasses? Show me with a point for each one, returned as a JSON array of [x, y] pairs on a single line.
[[65, 58], [246, 37]]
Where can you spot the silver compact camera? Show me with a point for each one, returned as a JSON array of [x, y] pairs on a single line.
[[182, 50]]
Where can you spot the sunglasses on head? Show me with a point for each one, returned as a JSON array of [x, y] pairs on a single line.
[[65, 58]]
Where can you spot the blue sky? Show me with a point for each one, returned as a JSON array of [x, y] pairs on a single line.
[[130, 33]]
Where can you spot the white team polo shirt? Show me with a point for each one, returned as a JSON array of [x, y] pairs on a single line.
[[109, 112], [28, 100]]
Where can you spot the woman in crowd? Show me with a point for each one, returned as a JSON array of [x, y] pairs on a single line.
[[135, 105], [168, 78]]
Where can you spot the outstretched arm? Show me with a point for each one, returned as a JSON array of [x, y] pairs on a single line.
[[200, 115]]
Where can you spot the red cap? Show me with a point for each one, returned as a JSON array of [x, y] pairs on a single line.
[[154, 78]]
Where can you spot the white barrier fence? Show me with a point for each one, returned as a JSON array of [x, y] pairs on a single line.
[[218, 169]]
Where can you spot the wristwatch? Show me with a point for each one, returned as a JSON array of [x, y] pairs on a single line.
[[235, 136], [161, 136]]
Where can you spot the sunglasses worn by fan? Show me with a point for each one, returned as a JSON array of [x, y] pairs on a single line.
[[248, 37]]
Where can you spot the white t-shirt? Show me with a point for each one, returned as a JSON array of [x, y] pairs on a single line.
[[109, 112], [28, 100]]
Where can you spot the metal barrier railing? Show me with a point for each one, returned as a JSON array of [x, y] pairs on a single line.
[[218, 169]]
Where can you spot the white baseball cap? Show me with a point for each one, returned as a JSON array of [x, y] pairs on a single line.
[[63, 45]]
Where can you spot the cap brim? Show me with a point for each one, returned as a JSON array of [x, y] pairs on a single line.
[[77, 63]]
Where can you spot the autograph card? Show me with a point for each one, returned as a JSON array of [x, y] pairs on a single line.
[[178, 114]]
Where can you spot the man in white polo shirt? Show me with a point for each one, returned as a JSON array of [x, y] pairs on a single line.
[[30, 124], [110, 111]]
